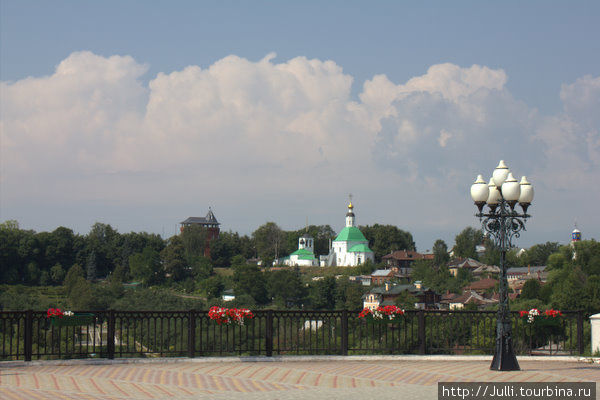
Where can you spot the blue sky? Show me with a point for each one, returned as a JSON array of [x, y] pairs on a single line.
[[542, 65]]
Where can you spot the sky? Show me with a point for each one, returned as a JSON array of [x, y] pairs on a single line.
[[141, 114]]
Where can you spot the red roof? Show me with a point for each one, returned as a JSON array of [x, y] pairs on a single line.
[[483, 284]]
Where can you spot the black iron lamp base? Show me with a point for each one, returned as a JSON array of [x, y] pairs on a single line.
[[504, 356]]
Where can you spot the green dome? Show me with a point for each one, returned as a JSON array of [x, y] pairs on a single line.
[[350, 233], [360, 248], [302, 252]]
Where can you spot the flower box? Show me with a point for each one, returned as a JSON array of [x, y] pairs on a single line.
[[382, 315], [226, 316]]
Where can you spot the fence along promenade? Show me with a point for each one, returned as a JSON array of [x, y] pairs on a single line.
[[27, 335]]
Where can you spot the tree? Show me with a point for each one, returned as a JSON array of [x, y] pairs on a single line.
[[74, 273], [146, 267], [285, 288], [270, 241], [466, 242], [103, 241], [80, 295], [383, 239], [173, 258], [90, 267], [57, 274], [406, 300], [194, 239], [348, 295], [531, 289], [539, 253], [322, 293], [249, 280], [440, 253], [321, 234], [213, 286]]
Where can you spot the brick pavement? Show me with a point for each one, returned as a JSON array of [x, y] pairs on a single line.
[[333, 379]]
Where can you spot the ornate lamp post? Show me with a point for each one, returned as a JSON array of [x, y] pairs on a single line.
[[502, 223]]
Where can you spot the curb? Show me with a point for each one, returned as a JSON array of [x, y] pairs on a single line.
[[168, 360]]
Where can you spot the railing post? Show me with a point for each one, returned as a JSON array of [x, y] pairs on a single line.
[[580, 344], [28, 345], [192, 334], [269, 334], [422, 347], [110, 335], [344, 343]]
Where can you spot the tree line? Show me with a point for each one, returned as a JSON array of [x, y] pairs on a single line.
[[44, 258]]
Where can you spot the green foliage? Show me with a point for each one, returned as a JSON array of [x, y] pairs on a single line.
[[270, 242], [440, 253], [75, 272], [321, 234], [200, 267], [538, 254], [383, 239], [531, 289], [174, 260], [587, 257], [250, 281], [213, 286], [406, 301], [145, 267], [194, 241], [322, 293], [81, 296], [348, 294], [466, 242], [155, 299], [366, 268], [57, 274], [227, 246], [285, 288]]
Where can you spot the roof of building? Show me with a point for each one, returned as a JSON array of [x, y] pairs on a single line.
[[486, 268], [464, 263], [406, 255], [208, 220], [360, 248], [526, 270], [482, 284], [397, 289], [303, 254], [306, 236], [469, 297], [382, 272], [350, 233]]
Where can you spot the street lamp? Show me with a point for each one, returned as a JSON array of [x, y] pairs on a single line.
[[502, 223]]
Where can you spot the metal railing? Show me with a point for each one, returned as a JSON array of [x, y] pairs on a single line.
[[27, 335]]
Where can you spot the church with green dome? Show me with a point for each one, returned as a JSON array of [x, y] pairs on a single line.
[[350, 248]]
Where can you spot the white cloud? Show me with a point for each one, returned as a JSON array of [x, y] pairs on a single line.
[[283, 136]]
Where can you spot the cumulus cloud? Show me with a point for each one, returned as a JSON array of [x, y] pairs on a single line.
[[276, 130]]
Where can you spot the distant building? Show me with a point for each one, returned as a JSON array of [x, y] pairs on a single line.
[[209, 222], [526, 273], [459, 301], [463, 263], [380, 276], [350, 248], [481, 286], [401, 261], [304, 256], [387, 295]]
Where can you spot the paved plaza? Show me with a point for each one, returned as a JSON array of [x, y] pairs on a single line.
[[327, 378]]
